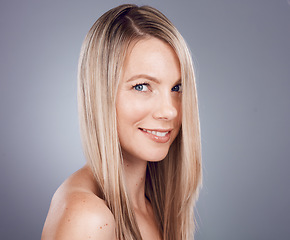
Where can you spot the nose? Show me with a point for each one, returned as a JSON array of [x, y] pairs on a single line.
[[165, 108]]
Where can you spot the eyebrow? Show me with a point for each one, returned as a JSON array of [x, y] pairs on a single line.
[[148, 77], [143, 76]]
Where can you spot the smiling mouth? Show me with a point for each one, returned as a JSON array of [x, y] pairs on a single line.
[[156, 133]]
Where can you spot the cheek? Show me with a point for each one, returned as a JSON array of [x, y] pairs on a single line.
[[178, 107], [131, 110], [180, 115]]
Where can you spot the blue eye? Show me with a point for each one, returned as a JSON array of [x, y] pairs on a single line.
[[177, 88], [141, 87]]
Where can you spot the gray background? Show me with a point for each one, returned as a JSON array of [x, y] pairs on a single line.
[[242, 56]]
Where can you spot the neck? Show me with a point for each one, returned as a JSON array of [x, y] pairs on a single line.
[[135, 174]]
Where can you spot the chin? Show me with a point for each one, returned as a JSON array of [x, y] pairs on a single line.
[[154, 155], [157, 156]]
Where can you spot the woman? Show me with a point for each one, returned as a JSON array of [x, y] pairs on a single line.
[[140, 131]]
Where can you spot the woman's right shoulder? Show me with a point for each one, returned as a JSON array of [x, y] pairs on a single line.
[[76, 212]]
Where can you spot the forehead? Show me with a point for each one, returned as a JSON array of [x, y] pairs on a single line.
[[151, 56]]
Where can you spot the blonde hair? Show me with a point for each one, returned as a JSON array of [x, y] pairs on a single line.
[[172, 185]]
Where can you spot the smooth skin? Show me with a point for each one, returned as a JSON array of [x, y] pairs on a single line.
[[148, 99]]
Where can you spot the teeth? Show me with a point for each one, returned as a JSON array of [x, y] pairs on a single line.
[[158, 134]]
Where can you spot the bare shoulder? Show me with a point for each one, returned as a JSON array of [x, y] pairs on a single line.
[[76, 212]]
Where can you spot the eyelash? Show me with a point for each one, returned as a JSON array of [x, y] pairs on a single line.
[[180, 87], [140, 84], [147, 84]]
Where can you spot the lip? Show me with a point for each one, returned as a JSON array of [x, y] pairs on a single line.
[[155, 138]]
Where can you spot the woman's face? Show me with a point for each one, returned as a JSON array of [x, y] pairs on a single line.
[[149, 101]]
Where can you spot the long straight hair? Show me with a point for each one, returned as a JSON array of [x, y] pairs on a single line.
[[172, 185]]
